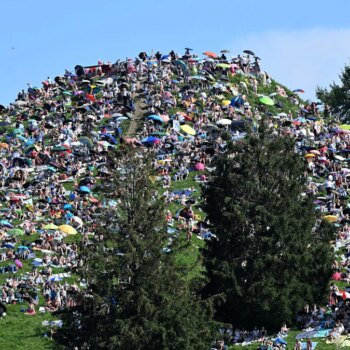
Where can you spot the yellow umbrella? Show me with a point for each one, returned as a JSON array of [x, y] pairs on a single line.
[[344, 127], [188, 130], [226, 102], [330, 218], [310, 155], [69, 230]]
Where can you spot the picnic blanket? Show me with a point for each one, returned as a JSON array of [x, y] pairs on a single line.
[[304, 345], [57, 323], [322, 333]]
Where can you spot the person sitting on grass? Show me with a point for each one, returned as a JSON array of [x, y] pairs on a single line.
[[31, 309]]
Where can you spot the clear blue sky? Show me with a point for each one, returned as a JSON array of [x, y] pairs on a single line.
[[301, 43]]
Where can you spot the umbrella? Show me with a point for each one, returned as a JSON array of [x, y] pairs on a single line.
[[150, 139], [60, 148], [344, 127], [188, 129], [266, 101], [84, 189], [51, 227], [55, 279], [69, 230], [104, 143], [225, 51], [4, 145], [110, 138], [181, 64], [199, 166], [155, 117], [299, 91], [78, 220], [223, 65], [310, 155], [330, 218], [86, 141], [210, 54], [249, 52], [5, 223], [16, 232], [224, 122], [9, 245], [18, 264], [336, 276], [199, 77]]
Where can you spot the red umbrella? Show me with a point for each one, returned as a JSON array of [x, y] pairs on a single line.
[[210, 54], [90, 97]]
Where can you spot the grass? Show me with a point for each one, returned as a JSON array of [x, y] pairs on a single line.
[[321, 344]]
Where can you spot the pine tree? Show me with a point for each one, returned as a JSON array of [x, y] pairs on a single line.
[[137, 297], [338, 95], [269, 259]]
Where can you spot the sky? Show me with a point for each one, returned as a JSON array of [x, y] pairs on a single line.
[[302, 44]]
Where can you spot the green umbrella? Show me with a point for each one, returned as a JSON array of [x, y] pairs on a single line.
[[266, 101], [16, 232], [223, 65], [344, 127], [60, 148], [51, 227], [180, 63], [86, 141], [65, 92]]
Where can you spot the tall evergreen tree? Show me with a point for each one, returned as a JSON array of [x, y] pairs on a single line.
[[338, 95], [136, 297], [269, 258]]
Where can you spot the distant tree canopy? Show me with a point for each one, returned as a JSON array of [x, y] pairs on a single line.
[[271, 256], [338, 95]]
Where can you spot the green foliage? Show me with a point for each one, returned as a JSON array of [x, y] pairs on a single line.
[[269, 259], [136, 296], [337, 96]]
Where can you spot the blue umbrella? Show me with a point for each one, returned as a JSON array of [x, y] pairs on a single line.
[[9, 245], [55, 279], [150, 139], [84, 189], [237, 101], [156, 118], [67, 207], [109, 138], [22, 247], [5, 223]]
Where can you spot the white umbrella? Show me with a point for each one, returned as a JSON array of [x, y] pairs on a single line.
[[224, 122]]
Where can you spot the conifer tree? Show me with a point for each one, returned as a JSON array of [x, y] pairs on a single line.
[[272, 256], [137, 297]]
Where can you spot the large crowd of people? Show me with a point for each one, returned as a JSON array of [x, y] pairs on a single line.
[[183, 109]]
